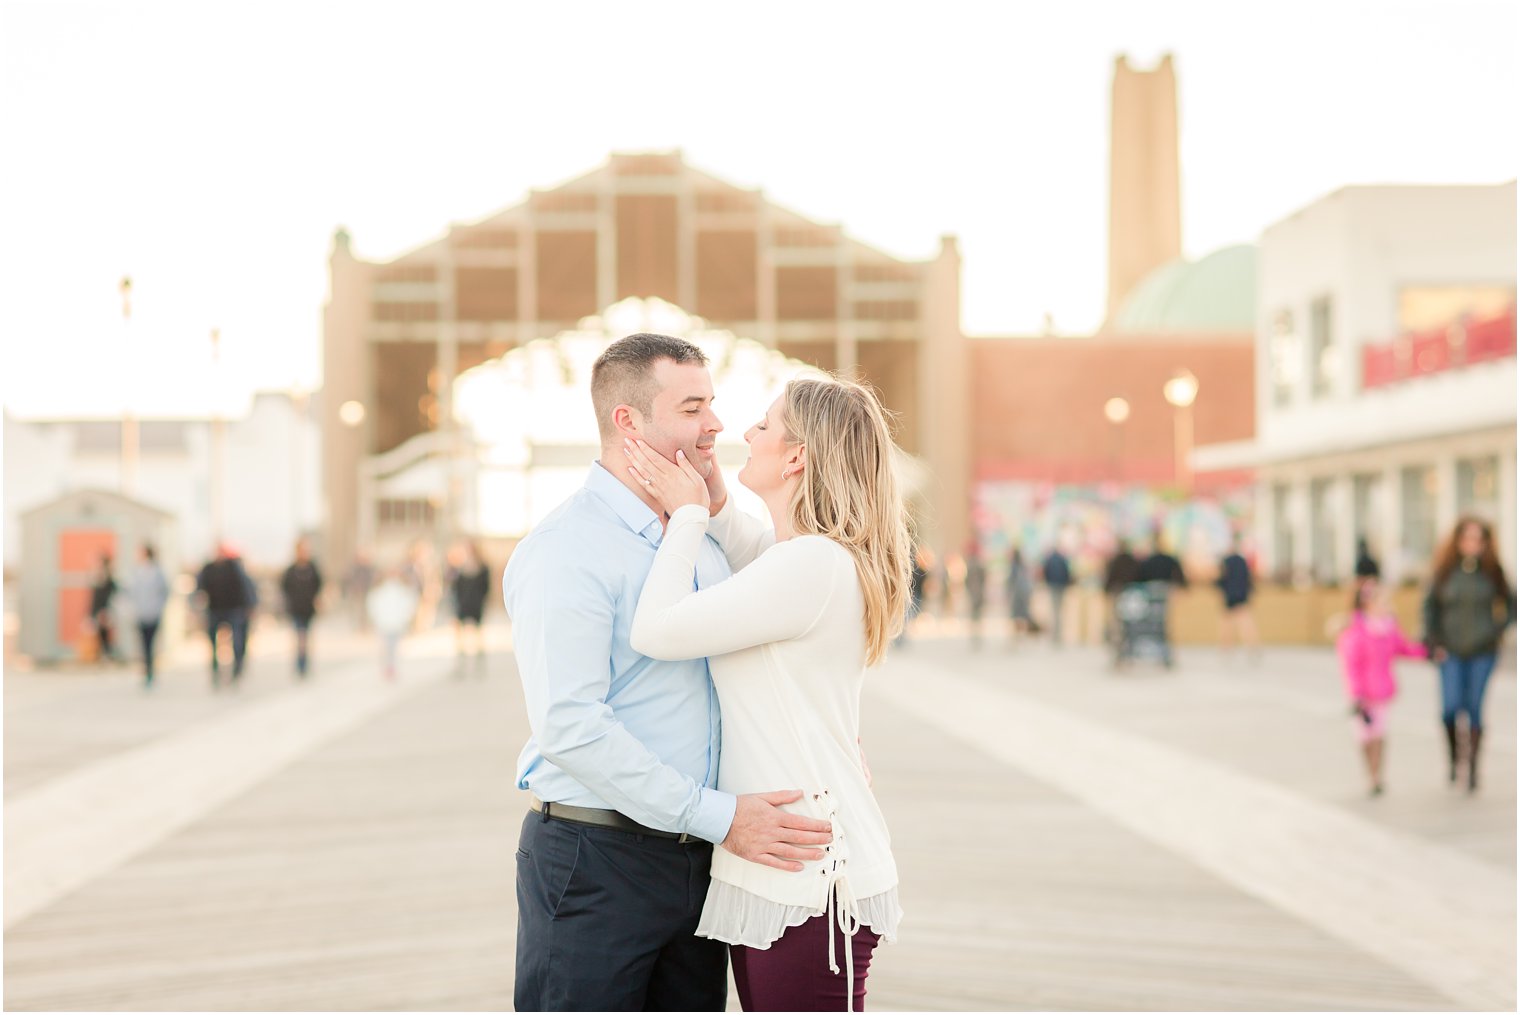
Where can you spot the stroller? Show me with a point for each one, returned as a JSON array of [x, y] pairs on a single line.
[[1141, 612]]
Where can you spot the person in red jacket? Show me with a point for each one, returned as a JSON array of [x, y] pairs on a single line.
[[1368, 646]]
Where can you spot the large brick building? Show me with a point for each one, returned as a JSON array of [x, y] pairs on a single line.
[[397, 334]]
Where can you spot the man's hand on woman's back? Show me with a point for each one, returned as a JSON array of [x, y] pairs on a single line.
[[763, 833]]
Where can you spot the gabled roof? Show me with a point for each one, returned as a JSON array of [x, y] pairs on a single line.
[[592, 181]]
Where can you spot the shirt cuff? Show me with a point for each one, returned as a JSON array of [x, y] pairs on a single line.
[[714, 817]]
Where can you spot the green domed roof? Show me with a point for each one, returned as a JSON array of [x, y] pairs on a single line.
[[1217, 293]]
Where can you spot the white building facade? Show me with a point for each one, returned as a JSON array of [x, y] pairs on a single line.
[[1385, 371], [259, 469]]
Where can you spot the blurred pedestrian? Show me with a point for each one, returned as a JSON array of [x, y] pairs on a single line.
[[917, 580], [1020, 588], [229, 596], [469, 588], [1161, 573], [1122, 571], [1238, 625], [1469, 606], [421, 573], [148, 592], [102, 591], [301, 584], [1368, 646], [1366, 565], [976, 590], [392, 606], [1160, 566], [1056, 570], [356, 585]]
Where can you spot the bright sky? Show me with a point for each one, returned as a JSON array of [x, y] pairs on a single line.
[[208, 150]]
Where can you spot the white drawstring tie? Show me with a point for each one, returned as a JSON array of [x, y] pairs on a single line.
[[842, 911], [843, 914]]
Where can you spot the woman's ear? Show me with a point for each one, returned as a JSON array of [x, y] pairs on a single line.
[[796, 458]]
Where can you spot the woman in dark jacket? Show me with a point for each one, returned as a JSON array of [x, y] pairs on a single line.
[[301, 584], [1468, 608], [101, 594], [470, 587]]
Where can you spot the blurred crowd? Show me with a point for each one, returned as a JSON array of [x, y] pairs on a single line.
[[227, 602]]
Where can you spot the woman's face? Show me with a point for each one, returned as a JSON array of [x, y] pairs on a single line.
[[768, 449], [1470, 541]]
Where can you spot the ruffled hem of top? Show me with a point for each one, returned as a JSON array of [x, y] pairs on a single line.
[[737, 917]]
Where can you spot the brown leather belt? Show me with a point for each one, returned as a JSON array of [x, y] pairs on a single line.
[[602, 819]]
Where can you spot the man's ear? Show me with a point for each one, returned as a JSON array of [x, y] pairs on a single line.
[[628, 422]]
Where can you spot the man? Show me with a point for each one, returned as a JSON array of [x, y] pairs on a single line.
[[1057, 574], [230, 598], [1160, 566], [301, 584], [148, 590], [1166, 571], [622, 763], [1236, 585], [1123, 570]]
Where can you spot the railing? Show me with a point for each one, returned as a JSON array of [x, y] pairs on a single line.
[[1419, 354]]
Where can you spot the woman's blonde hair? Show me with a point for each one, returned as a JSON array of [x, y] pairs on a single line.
[[848, 492]]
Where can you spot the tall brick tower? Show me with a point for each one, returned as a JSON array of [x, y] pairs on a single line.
[[1144, 197]]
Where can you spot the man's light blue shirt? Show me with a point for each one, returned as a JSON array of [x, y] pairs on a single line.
[[611, 728]]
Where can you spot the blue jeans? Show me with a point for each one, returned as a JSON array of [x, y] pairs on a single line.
[[1463, 682], [237, 622]]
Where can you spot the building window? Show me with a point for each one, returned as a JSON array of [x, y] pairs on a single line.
[[1418, 494], [97, 437], [1478, 487], [1323, 354], [1282, 534], [1285, 352], [412, 512], [1322, 549]]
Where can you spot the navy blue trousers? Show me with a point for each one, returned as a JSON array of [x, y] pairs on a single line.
[[606, 922]]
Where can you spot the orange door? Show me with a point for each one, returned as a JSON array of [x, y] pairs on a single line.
[[79, 553]]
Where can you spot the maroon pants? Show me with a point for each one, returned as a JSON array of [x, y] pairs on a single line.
[[793, 973]]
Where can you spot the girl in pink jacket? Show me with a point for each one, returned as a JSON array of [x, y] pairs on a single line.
[[1368, 646]]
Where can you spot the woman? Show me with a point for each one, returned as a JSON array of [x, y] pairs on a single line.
[[392, 607], [101, 593], [976, 590], [301, 585], [1368, 646], [812, 604], [148, 590], [1468, 608], [469, 587], [1020, 595]]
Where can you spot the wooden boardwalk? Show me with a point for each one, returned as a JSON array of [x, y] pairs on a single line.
[[374, 870]]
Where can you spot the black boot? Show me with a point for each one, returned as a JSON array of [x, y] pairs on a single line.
[[1474, 738], [1451, 749]]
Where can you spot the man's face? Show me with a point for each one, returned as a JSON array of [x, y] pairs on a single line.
[[681, 417]]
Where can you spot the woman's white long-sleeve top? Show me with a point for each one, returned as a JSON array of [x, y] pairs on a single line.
[[785, 640]]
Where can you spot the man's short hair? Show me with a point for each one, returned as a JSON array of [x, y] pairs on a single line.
[[624, 374]]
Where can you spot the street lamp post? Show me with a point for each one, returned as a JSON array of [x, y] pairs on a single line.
[[1180, 392], [352, 414], [1116, 411], [129, 442], [218, 441], [299, 398]]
